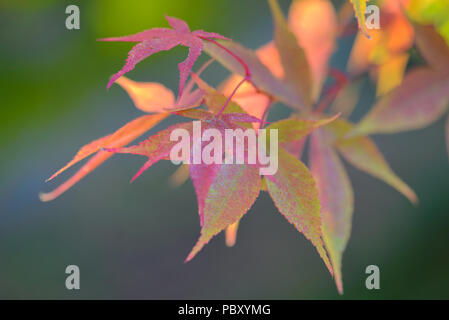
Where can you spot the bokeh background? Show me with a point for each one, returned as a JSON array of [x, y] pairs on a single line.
[[130, 240]]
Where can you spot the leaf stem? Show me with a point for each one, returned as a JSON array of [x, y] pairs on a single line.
[[327, 99], [236, 57], [232, 94], [248, 73], [204, 66], [341, 81]]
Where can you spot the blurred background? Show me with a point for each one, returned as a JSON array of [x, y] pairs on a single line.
[[130, 240]]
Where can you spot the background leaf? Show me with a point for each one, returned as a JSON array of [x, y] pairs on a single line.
[[420, 100], [390, 74], [148, 96], [347, 99], [386, 53], [314, 23], [293, 57], [363, 154]]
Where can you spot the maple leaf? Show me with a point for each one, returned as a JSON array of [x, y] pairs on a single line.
[[163, 39], [336, 199]]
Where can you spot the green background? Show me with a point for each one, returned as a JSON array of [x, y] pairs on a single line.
[[130, 240]]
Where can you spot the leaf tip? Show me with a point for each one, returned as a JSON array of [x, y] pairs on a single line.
[[413, 198], [197, 248], [136, 176], [108, 86], [141, 170], [190, 256], [339, 286], [46, 197], [334, 117], [408, 193]]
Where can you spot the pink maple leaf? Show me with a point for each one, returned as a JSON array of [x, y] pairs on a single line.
[[163, 39]]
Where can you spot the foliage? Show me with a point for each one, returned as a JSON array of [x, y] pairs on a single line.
[[292, 69]]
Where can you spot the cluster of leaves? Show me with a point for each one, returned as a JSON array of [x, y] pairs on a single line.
[[318, 200]]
